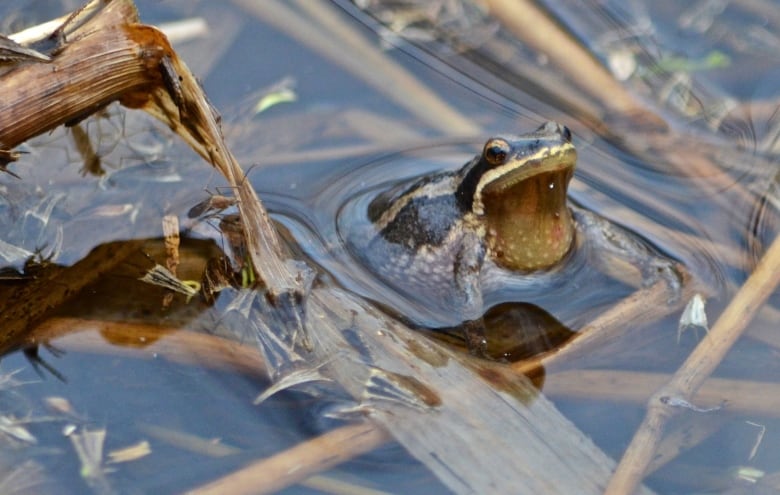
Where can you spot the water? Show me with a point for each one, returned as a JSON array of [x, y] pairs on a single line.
[[316, 163]]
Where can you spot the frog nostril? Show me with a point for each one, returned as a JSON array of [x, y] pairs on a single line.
[[566, 133]]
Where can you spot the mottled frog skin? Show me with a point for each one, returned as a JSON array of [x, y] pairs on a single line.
[[506, 208]]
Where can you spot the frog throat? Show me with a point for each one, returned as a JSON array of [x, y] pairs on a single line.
[[529, 226]]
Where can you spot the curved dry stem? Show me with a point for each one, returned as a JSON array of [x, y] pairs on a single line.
[[300, 462], [534, 27], [699, 365]]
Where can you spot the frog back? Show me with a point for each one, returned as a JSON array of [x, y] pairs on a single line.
[[415, 244]]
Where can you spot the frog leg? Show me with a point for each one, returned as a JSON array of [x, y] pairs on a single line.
[[624, 255], [467, 270]]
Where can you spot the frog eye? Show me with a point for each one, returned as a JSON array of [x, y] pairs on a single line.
[[496, 151]]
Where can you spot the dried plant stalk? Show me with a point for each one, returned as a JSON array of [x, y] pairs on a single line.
[[111, 57], [699, 365], [630, 387], [298, 463], [82, 77], [643, 306]]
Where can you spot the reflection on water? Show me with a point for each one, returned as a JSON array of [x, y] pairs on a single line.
[[517, 330]]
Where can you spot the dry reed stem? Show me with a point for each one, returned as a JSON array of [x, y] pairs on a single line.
[[534, 27], [299, 462], [186, 110], [345, 46], [208, 447], [629, 387], [643, 306], [699, 365], [112, 57], [83, 77]]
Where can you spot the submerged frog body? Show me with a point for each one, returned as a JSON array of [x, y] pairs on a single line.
[[506, 208]]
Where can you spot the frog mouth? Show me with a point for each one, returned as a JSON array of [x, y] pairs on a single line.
[[557, 165], [516, 171]]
